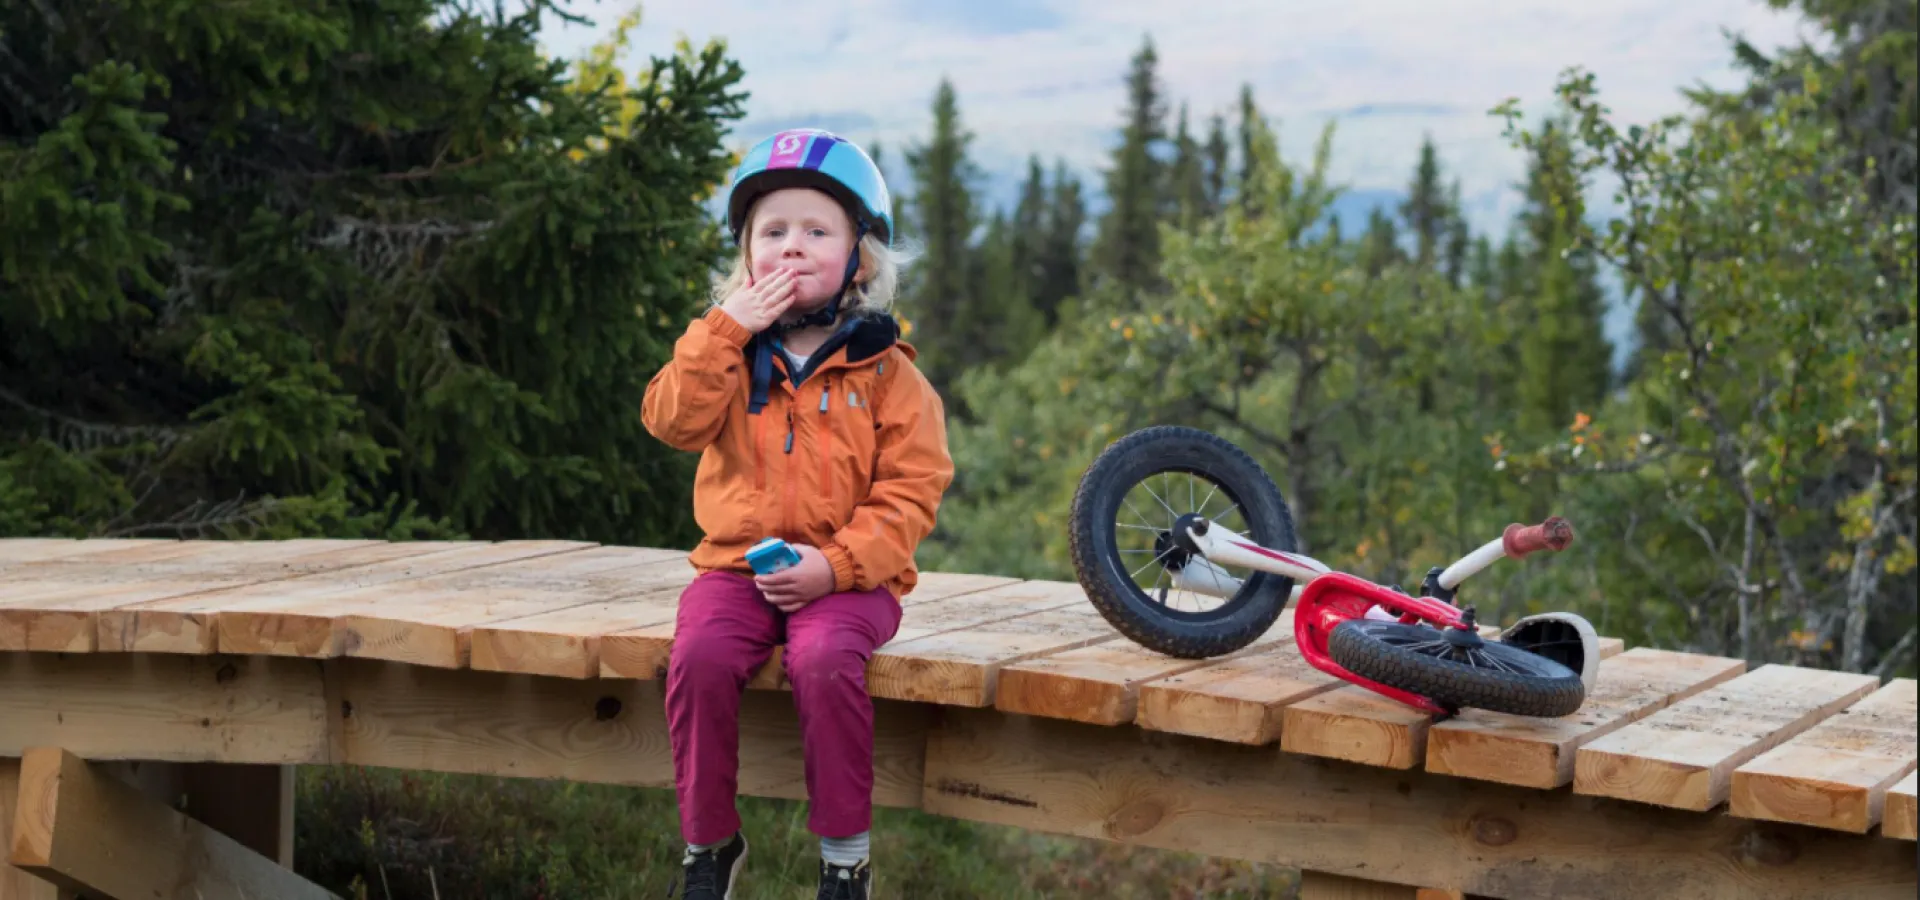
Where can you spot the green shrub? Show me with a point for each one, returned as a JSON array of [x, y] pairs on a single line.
[[389, 835]]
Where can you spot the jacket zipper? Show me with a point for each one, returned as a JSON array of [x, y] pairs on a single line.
[[826, 445], [787, 525]]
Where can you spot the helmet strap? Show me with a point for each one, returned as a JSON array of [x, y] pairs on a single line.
[[829, 314]]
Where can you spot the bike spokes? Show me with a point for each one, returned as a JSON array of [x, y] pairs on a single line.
[[1158, 566]]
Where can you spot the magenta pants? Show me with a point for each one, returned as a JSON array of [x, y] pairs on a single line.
[[724, 632]]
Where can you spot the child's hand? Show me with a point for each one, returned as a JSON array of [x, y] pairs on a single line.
[[760, 304], [800, 584]]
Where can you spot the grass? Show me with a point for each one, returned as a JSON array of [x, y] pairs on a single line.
[[375, 834]]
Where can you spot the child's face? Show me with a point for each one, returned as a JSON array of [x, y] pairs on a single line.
[[806, 231]]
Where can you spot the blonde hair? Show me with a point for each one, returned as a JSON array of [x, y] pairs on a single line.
[[875, 283]]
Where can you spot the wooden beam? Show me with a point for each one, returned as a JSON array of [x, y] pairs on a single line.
[[16, 884], [90, 832], [1902, 816], [164, 708], [610, 731], [1412, 828]]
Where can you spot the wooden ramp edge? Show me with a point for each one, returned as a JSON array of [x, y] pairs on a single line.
[[1680, 730]]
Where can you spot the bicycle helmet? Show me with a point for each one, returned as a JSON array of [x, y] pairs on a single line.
[[811, 157]]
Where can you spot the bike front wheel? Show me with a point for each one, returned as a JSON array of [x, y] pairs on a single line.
[[1491, 676], [1120, 536]]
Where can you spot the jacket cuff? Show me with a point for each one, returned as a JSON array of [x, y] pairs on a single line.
[[727, 328], [842, 567]]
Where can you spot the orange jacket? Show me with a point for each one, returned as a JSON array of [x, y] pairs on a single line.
[[853, 460]]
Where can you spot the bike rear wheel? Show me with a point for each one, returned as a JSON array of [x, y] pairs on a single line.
[[1110, 572], [1491, 676]]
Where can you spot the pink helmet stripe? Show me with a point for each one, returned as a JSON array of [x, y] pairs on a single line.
[[789, 148]]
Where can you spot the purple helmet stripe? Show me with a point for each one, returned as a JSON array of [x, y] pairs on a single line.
[[817, 151]]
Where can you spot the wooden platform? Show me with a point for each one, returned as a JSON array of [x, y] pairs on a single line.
[[1002, 701]]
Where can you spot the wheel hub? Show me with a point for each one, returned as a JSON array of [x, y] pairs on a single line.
[[1169, 551]]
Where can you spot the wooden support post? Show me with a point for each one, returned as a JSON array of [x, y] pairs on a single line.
[[14, 883], [81, 828]]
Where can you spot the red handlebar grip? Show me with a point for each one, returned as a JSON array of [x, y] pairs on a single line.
[[1553, 534]]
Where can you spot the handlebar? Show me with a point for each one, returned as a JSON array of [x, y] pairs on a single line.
[[1553, 534]]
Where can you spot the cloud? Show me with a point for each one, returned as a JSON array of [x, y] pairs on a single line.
[[1049, 77]]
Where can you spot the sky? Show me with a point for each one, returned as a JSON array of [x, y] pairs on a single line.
[[1047, 76]]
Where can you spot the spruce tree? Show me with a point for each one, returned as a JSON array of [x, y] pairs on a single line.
[[286, 268], [1126, 252], [943, 301]]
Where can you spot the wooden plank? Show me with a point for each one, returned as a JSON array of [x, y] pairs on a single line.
[[295, 617], [1359, 725], [15, 551], [1128, 786], [14, 883], [62, 616], [432, 624], [1240, 700], [163, 708], [565, 643], [1100, 685], [1539, 753], [961, 667], [185, 623], [606, 731], [1835, 774], [643, 652], [1902, 818], [1684, 756], [90, 832]]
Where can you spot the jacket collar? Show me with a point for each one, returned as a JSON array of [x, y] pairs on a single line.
[[864, 337]]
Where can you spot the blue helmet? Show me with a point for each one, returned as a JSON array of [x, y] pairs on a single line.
[[810, 157]]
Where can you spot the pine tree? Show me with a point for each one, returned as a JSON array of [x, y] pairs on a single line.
[[1380, 247], [1218, 165], [943, 301], [1126, 252], [1566, 359], [1453, 262], [1063, 252], [382, 269], [1187, 179], [1252, 127], [1425, 210]]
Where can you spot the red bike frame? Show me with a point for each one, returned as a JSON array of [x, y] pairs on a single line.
[[1325, 598]]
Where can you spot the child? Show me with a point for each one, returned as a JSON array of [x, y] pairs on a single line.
[[814, 426]]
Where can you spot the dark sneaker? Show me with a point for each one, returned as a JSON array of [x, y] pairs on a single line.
[[839, 882], [710, 874]]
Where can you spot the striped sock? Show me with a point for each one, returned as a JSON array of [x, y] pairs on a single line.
[[846, 851]]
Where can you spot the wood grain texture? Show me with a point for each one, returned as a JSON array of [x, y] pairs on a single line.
[[1178, 793], [1684, 756], [87, 831], [1835, 774], [1539, 753]]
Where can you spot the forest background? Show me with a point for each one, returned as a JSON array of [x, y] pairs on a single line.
[[388, 269]]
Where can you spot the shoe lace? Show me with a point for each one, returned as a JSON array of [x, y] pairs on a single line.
[[702, 874], [838, 884]]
